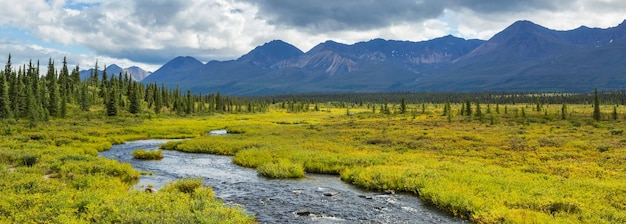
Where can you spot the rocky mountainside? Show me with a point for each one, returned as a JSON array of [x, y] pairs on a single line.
[[528, 57], [523, 57], [279, 67]]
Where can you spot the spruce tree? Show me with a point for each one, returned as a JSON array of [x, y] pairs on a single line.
[[53, 92], [21, 93], [34, 111], [63, 106], [14, 92], [446, 108], [104, 85], [85, 99], [133, 97], [94, 75], [218, 102], [7, 67], [403, 106], [596, 106], [65, 83], [189, 103], [75, 78], [538, 105], [5, 105], [158, 101], [468, 108], [112, 103], [479, 112]]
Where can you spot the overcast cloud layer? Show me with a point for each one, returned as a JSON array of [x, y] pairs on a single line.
[[148, 33]]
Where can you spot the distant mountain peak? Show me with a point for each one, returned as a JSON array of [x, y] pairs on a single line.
[[524, 22], [174, 69], [270, 53], [183, 63], [523, 26], [135, 72], [328, 45], [114, 66], [184, 58]]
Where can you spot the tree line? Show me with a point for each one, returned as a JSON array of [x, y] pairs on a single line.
[[25, 94], [488, 97]]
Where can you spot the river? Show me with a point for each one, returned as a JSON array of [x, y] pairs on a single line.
[[313, 199]]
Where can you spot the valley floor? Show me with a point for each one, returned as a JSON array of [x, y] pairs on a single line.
[[513, 165]]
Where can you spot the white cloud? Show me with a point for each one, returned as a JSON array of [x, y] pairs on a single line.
[[150, 32]]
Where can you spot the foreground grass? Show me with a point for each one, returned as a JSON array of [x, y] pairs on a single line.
[[518, 167], [515, 167], [51, 174]]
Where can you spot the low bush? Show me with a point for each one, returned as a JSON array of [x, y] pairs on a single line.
[[147, 155], [186, 186]]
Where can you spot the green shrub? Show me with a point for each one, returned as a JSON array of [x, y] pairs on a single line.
[[617, 132], [29, 160], [236, 131], [147, 155], [378, 142], [37, 136], [549, 142], [187, 186], [603, 148]]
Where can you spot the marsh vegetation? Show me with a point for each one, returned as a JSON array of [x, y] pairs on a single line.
[[515, 165], [147, 155]]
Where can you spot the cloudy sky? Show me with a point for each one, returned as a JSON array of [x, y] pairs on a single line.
[[148, 33]]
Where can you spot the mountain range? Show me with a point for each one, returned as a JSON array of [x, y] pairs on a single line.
[[523, 57], [135, 72]]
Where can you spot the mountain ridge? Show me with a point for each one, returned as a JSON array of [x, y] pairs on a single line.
[[136, 73], [524, 56]]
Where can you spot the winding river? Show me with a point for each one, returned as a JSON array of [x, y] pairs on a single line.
[[313, 199]]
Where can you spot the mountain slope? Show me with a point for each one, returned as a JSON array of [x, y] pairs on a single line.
[[523, 57], [175, 71], [137, 73], [529, 57]]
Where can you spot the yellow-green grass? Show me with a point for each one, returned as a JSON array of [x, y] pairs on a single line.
[[281, 168], [515, 167], [51, 174], [147, 154]]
